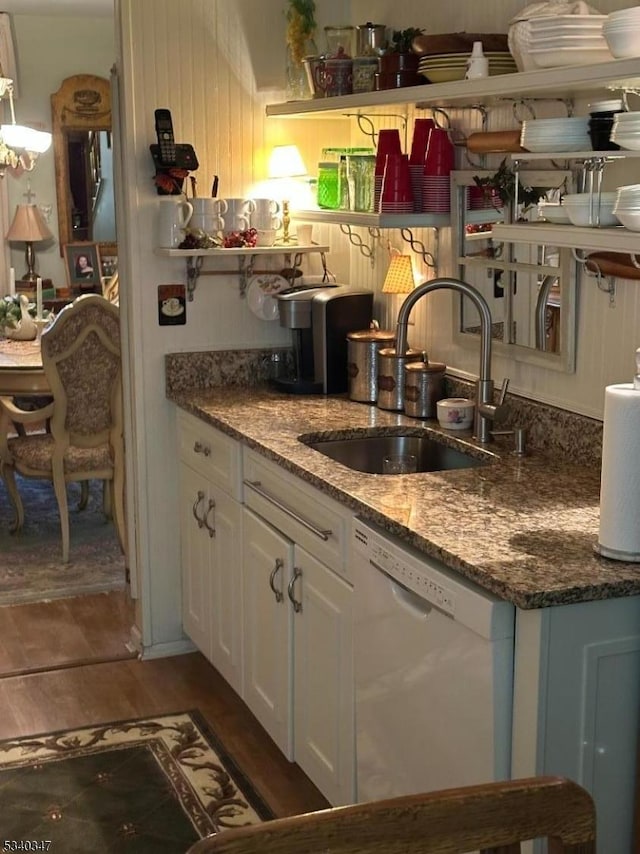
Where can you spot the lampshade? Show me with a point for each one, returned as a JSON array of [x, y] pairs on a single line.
[[399, 278], [28, 225], [19, 145], [286, 162]]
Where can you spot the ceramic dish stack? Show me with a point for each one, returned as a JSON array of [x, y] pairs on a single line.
[[566, 134], [593, 210], [627, 206], [445, 67], [622, 32], [625, 131], [560, 40]]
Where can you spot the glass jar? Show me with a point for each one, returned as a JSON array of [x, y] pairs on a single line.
[[328, 185]]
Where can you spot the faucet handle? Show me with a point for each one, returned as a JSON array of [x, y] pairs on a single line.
[[503, 391]]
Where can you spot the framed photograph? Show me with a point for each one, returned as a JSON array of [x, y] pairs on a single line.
[[82, 263]]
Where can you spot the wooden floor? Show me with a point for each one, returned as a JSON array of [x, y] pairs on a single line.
[[66, 664]]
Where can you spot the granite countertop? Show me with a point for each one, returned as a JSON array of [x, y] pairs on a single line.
[[521, 527]]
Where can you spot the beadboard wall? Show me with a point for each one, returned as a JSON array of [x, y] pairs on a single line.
[[216, 65]]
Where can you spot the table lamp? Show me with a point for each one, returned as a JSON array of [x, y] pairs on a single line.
[[399, 278], [285, 164], [30, 227]]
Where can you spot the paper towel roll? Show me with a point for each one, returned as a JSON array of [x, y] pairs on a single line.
[[620, 478]]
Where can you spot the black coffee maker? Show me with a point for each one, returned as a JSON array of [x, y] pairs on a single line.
[[320, 316]]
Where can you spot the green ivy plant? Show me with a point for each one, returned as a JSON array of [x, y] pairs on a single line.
[[504, 183], [401, 40]]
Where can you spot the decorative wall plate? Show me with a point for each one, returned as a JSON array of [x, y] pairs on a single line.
[[260, 291]]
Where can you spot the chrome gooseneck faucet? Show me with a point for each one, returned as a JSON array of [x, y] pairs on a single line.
[[485, 408]]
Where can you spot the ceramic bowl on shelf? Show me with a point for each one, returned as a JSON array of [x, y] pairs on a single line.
[[630, 218], [591, 209], [553, 212]]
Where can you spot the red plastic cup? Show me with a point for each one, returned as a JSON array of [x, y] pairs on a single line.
[[388, 143], [421, 130], [440, 157], [396, 182]]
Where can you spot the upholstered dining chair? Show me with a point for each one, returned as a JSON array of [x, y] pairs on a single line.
[[493, 818], [82, 362]]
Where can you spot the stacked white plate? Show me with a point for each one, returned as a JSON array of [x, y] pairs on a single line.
[[445, 67], [560, 40], [567, 134], [626, 130], [622, 32], [627, 206]]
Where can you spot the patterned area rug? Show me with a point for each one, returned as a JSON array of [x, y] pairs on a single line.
[[31, 567], [152, 786]]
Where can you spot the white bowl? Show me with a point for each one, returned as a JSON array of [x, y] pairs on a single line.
[[629, 218], [553, 213], [563, 56], [455, 413], [585, 209], [624, 42]]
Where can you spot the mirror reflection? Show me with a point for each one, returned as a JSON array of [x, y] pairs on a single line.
[[530, 288], [83, 154]]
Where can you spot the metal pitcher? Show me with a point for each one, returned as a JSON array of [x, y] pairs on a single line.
[[371, 39]]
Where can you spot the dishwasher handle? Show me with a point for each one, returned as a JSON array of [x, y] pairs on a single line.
[[412, 602], [257, 487]]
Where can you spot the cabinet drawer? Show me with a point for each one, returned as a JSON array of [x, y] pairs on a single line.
[[210, 452], [301, 512]]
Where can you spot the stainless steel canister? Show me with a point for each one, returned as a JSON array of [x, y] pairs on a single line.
[[371, 39], [362, 361], [423, 388], [391, 376]]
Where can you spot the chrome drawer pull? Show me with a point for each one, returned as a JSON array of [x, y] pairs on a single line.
[[194, 509], [212, 506], [297, 606], [256, 485], [278, 566], [199, 448]]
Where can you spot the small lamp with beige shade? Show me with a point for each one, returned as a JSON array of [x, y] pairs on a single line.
[[285, 165], [29, 227]]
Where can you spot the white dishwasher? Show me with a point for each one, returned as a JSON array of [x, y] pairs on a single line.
[[433, 661]]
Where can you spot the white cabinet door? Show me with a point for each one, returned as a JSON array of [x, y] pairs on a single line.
[[225, 600], [324, 739], [195, 550], [268, 629]]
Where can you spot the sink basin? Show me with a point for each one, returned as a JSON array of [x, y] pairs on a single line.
[[365, 453]]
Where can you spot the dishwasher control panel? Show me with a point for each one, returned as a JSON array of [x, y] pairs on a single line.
[[416, 575], [442, 587]]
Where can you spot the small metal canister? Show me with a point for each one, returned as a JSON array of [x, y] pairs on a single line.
[[391, 377], [362, 361], [423, 388]]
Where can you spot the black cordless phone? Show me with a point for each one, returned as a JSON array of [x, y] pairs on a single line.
[[166, 141]]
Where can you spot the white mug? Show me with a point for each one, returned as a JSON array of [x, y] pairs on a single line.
[[232, 208], [266, 236], [205, 216], [174, 212], [235, 222]]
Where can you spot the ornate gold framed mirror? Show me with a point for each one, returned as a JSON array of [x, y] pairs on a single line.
[[82, 149]]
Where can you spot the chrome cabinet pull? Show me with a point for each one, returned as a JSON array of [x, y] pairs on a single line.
[[277, 567], [212, 530], [199, 448], [194, 509], [256, 485], [297, 606]]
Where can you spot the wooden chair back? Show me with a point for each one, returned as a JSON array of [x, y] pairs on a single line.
[[493, 818]]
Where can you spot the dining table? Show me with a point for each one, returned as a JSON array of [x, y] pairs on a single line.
[[21, 371]]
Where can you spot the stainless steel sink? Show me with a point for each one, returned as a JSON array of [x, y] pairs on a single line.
[[365, 453]]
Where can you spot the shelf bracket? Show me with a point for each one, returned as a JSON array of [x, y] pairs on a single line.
[[606, 284], [355, 240], [194, 265], [419, 248], [370, 131], [245, 271]]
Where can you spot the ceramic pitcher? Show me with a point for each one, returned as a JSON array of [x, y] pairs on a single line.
[[174, 213]]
